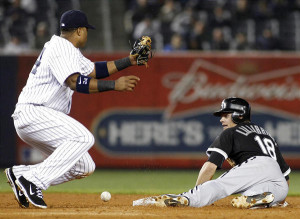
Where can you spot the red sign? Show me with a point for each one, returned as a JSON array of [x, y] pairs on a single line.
[[156, 125]]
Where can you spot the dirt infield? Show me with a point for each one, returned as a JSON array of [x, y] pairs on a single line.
[[120, 206]]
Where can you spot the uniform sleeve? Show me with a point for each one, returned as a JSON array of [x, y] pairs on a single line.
[[86, 65], [222, 144], [64, 63], [217, 159]]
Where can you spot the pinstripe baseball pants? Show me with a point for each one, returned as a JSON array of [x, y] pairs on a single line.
[[61, 138]]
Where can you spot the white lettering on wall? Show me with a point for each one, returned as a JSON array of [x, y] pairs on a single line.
[[286, 133], [163, 134]]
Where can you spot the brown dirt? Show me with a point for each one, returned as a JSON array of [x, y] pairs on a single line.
[[65, 205]]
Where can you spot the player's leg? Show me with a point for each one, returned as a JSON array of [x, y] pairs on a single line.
[[240, 179], [206, 193], [19, 170], [275, 190], [15, 172], [83, 168], [49, 130]]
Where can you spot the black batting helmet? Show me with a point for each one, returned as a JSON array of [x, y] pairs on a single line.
[[239, 108]]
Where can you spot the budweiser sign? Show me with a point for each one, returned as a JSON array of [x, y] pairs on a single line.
[[200, 84]]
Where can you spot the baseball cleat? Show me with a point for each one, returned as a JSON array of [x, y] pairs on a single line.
[[33, 194], [20, 197], [168, 200], [280, 205], [256, 201]]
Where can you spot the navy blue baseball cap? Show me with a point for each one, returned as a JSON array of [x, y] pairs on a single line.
[[74, 19]]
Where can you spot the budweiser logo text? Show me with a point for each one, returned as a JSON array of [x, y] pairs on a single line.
[[195, 85]]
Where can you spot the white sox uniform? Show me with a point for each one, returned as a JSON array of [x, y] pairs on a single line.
[[260, 167], [259, 171], [41, 119]]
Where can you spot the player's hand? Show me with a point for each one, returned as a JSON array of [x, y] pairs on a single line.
[[126, 83], [132, 59], [140, 60]]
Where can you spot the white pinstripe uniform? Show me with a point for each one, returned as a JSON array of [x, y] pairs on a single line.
[[41, 119]]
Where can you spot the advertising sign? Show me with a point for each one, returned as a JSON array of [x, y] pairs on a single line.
[[167, 120]]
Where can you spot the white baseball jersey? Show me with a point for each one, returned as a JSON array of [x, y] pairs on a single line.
[[45, 86], [41, 119]]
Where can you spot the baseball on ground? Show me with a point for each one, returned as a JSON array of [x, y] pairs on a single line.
[[105, 196]]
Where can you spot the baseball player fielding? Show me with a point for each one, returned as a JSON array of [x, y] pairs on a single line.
[[41, 115]]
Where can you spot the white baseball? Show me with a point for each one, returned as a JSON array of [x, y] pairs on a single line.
[[105, 196]]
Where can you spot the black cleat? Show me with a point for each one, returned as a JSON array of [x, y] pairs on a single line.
[[256, 201], [20, 197], [32, 193]]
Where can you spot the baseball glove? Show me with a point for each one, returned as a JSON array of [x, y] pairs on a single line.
[[142, 50]]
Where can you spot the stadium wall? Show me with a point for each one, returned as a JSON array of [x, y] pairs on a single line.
[[167, 121]]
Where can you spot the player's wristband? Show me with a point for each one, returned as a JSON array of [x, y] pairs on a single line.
[[101, 70], [122, 63], [83, 84], [105, 85]]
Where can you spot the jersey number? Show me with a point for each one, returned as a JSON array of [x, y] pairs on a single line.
[[37, 62], [267, 146]]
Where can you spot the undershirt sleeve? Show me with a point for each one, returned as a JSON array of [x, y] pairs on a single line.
[[216, 158]]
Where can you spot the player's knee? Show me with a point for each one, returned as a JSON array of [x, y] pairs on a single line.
[[91, 140], [87, 141]]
